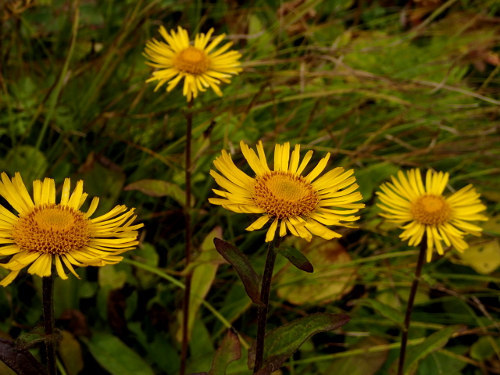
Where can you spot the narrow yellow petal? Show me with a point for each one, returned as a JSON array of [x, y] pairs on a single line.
[[277, 157], [65, 191], [294, 162], [272, 230], [9, 278], [93, 207], [41, 266], [59, 268], [282, 228], [285, 156], [305, 161], [318, 169], [259, 223]]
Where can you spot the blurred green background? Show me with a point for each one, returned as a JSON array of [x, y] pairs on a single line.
[[381, 84]]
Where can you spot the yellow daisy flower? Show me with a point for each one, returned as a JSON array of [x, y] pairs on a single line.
[[302, 205], [46, 234], [199, 64], [420, 209]]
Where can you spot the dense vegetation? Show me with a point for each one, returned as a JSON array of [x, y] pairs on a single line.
[[383, 85]]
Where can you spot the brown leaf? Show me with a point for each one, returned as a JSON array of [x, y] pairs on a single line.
[[18, 359]]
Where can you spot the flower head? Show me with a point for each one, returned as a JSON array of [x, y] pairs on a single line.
[[423, 209], [304, 205], [45, 234], [199, 64]]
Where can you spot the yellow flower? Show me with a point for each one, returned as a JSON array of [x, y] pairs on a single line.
[[420, 209], [46, 234], [199, 64], [302, 205]]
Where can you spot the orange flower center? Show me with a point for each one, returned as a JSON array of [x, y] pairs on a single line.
[[283, 195], [431, 209], [52, 229], [192, 60]]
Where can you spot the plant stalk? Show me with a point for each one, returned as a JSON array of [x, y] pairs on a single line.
[[262, 310], [411, 300], [48, 318], [187, 218]]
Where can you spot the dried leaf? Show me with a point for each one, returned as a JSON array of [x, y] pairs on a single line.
[[228, 351], [18, 359], [329, 281]]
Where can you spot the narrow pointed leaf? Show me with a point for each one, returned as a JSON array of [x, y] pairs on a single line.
[[228, 351], [242, 266], [434, 342], [116, 357], [282, 342], [296, 258], [18, 359], [202, 278]]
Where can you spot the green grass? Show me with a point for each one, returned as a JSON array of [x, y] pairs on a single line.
[[379, 85]]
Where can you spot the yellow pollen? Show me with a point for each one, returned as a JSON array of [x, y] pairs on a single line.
[[284, 195], [192, 60], [431, 210], [52, 229]]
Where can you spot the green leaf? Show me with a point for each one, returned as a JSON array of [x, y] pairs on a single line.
[[442, 364], [484, 348], [146, 254], [434, 342], [202, 278], [282, 342], [71, 353], [296, 258], [201, 347], [103, 182], [361, 364], [242, 266], [116, 357], [27, 160], [228, 351], [369, 178], [385, 310], [111, 277], [159, 188]]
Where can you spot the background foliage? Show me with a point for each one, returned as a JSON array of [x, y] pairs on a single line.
[[382, 84]]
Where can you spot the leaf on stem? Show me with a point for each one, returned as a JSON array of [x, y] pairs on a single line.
[[296, 258], [242, 266], [282, 342]]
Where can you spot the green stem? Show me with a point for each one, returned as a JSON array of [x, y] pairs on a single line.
[[409, 307], [262, 310], [48, 318], [187, 218], [62, 77]]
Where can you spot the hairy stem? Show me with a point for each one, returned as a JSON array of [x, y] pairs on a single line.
[[262, 310], [48, 318], [187, 218], [409, 307]]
